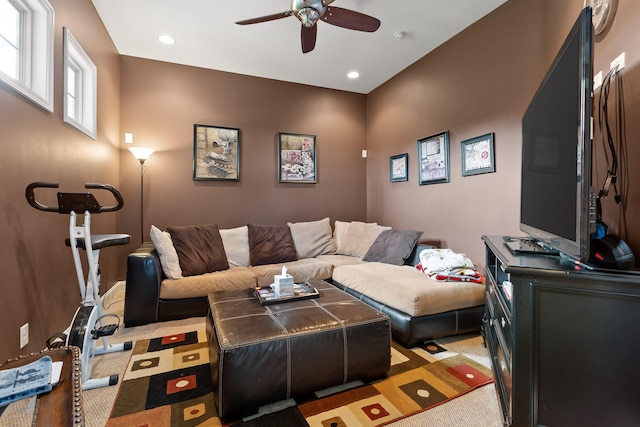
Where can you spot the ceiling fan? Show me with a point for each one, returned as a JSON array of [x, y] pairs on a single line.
[[309, 12]]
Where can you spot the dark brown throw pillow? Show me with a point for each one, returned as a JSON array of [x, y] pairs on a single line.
[[200, 249], [271, 244], [393, 246]]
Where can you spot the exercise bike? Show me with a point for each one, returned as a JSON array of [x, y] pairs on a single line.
[[87, 326]]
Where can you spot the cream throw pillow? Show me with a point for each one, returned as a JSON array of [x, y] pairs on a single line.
[[358, 238], [312, 238], [236, 245], [167, 253]]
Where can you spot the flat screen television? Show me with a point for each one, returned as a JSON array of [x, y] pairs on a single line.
[[557, 205]]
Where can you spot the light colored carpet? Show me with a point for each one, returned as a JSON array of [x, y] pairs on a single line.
[[476, 409]]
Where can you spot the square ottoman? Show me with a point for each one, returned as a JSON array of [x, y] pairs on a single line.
[[264, 354]]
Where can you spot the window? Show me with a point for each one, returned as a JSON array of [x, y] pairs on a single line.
[[9, 26], [26, 49], [80, 86]]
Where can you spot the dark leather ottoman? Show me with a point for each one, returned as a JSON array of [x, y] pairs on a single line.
[[261, 355]]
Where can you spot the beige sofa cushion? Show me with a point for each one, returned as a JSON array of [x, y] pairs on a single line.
[[312, 238], [302, 270], [337, 260], [408, 290], [358, 237], [203, 284], [166, 252], [236, 245]]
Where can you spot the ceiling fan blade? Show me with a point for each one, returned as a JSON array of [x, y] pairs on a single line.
[[351, 19], [308, 38], [265, 18]]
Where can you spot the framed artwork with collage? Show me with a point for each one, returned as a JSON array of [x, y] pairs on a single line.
[[297, 158], [433, 159]]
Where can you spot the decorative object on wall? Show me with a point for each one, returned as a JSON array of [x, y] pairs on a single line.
[[602, 13], [433, 159], [216, 153], [142, 154], [399, 167], [297, 158], [477, 155]]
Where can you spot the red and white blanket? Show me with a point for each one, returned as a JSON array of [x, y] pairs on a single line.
[[447, 265]]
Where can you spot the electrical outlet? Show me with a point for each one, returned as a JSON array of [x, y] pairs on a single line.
[[618, 62], [24, 335], [597, 80]]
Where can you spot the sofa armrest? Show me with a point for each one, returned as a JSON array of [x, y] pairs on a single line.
[[142, 294], [414, 258]]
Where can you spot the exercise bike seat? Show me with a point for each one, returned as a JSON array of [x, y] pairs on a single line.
[[99, 241]]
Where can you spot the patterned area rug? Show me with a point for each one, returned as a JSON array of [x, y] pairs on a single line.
[[168, 383]]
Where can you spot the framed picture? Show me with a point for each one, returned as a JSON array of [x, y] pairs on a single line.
[[433, 159], [297, 158], [216, 153], [398, 168], [477, 155]]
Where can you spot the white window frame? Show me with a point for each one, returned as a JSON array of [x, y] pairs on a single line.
[[34, 79], [84, 116]]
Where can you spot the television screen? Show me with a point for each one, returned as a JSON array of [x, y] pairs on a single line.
[[557, 199]]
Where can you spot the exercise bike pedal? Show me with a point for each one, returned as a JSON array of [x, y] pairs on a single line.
[[104, 331]]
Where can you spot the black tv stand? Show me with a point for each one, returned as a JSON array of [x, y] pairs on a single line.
[[528, 246], [562, 340]]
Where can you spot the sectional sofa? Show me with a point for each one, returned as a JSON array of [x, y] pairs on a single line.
[[170, 277]]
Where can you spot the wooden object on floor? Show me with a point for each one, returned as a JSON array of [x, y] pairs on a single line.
[[62, 406]]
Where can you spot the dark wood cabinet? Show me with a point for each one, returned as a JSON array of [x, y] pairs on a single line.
[[564, 340]]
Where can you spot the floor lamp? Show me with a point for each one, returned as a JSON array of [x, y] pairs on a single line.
[[142, 154]]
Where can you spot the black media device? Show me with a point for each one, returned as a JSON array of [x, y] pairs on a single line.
[[557, 206], [528, 246]]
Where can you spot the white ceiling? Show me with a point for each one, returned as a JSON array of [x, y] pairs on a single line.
[[206, 36]]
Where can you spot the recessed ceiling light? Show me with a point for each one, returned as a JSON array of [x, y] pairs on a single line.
[[400, 35], [353, 75], [166, 39]]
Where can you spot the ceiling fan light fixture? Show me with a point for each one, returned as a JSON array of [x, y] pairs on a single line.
[[308, 16]]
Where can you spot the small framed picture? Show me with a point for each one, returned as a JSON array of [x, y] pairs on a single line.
[[477, 155], [398, 168], [216, 153], [297, 158], [433, 159]]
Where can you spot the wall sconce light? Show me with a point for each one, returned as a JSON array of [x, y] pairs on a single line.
[[142, 154], [128, 137]]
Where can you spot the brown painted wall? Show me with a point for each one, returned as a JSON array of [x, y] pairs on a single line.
[[479, 82], [38, 283], [160, 104], [482, 81]]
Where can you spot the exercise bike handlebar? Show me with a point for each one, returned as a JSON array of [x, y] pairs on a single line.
[[68, 202]]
